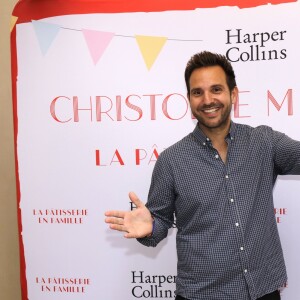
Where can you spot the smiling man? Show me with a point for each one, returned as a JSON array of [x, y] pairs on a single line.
[[218, 182]]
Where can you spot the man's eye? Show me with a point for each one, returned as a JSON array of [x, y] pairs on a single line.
[[217, 90], [196, 93]]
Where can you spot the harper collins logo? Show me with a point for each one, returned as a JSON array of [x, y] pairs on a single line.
[[256, 46]]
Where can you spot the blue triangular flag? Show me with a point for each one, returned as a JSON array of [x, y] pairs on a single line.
[[46, 33]]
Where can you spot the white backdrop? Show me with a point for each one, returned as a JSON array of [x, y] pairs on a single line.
[[72, 170]]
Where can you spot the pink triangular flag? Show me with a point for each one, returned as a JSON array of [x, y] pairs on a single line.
[[97, 42]]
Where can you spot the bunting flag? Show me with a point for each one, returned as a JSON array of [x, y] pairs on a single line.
[[150, 47], [97, 42], [13, 22], [46, 33]]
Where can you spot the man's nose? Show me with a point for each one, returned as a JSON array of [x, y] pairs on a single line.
[[207, 98]]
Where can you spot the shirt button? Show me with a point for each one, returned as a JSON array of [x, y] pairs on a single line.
[[231, 138], [204, 144], [245, 271], [207, 139], [216, 156], [242, 248], [237, 224], [231, 200], [226, 176]]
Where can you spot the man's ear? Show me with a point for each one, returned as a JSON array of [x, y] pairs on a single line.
[[234, 95]]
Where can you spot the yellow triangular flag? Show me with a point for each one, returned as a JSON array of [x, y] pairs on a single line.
[[13, 22], [150, 47]]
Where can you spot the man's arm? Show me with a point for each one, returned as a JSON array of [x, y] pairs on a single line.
[[286, 154], [161, 200], [149, 223]]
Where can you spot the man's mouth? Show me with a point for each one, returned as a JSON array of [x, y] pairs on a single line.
[[210, 110]]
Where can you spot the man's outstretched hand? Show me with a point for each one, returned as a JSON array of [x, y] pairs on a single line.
[[136, 223]]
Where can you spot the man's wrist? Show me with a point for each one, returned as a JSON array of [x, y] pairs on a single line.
[[153, 227]]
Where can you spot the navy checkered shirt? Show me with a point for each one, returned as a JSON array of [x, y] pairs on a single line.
[[228, 245]]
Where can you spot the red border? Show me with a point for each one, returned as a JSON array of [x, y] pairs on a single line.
[[14, 72], [27, 10]]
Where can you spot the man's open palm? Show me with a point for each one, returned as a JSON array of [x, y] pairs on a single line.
[[136, 223]]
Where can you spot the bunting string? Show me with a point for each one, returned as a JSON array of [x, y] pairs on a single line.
[[133, 37]]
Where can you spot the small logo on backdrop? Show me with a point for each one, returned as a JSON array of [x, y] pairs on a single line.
[[145, 286], [255, 46], [280, 214], [61, 285], [60, 216]]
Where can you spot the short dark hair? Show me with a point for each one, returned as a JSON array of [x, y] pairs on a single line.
[[209, 59]]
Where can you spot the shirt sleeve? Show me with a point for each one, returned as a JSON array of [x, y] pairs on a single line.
[[286, 154], [161, 201]]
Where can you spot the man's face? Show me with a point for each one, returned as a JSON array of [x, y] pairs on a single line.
[[210, 98]]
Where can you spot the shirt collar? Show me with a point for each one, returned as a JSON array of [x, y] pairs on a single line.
[[200, 136]]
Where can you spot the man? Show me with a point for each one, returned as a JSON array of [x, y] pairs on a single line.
[[218, 180]]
